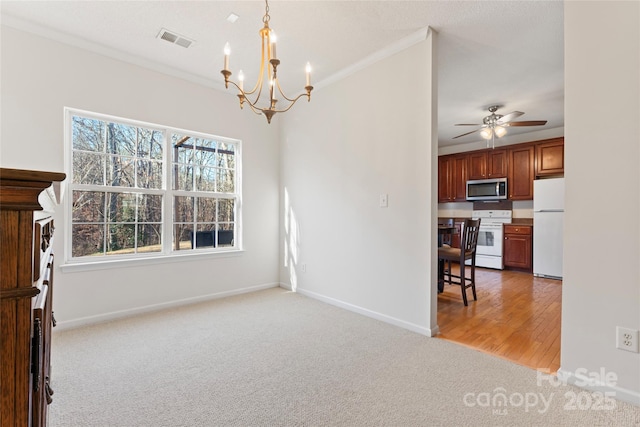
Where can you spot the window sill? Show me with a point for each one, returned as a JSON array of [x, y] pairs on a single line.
[[71, 267]]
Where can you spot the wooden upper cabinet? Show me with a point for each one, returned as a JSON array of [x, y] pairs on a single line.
[[444, 179], [477, 165], [497, 164], [452, 178], [487, 164], [520, 164], [550, 157], [459, 178], [521, 172]]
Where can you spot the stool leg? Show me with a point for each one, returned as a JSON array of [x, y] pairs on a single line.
[[473, 280], [463, 282]]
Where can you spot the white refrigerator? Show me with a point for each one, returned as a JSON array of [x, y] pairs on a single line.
[[548, 216]]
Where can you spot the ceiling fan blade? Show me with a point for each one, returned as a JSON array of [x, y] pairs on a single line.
[[468, 124], [464, 134], [528, 123], [508, 117]]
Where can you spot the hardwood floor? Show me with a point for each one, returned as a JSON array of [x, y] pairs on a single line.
[[516, 317]]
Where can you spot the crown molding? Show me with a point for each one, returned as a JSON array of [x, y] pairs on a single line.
[[388, 51], [58, 36], [68, 39]]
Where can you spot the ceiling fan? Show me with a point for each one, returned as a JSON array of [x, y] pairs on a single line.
[[496, 124]]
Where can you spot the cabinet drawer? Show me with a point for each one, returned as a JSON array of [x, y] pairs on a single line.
[[517, 229]]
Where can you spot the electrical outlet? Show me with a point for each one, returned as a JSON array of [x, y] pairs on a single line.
[[304, 268], [627, 339], [384, 201]]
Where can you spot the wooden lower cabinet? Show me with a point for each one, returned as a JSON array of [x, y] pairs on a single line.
[[518, 247], [26, 290]]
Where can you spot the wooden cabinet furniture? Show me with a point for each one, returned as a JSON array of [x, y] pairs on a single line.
[[521, 172], [477, 165], [519, 163], [452, 178], [444, 179], [518, 247], [459, 178], [26, 281], [487, 164], [497, 164], [550, 157]]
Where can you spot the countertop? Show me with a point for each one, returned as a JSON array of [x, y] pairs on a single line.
[[517, 221]]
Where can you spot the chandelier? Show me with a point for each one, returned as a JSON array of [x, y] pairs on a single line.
[[268, 68]]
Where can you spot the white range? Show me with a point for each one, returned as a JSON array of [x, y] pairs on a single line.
[[489, 250]]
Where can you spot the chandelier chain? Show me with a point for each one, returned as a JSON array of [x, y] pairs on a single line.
[[266, 17]]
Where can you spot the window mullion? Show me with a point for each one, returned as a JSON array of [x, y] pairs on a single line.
[[167, 211], [102, 188]]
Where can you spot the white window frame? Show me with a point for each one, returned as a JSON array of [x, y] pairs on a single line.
[[167, 253]]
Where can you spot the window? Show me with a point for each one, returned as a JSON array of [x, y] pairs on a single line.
[[139, 190]]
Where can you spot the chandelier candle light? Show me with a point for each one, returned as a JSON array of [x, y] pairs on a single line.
[[268, 65]]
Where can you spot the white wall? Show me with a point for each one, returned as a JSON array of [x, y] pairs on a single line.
[[601, 287], [41, 76], [359, 138]]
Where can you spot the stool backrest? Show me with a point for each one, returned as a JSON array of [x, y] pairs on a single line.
[[469, 240]]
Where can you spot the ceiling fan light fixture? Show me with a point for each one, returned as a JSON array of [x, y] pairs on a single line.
[[500, 131], [495, 125], [486, 133]]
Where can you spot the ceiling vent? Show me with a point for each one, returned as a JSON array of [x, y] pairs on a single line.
[[174, 38]]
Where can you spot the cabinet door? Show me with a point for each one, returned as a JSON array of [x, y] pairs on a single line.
[[459, 178], [521, 173], [497, 164], [477, 165], [517, 251], [550, 157], [444, 179]]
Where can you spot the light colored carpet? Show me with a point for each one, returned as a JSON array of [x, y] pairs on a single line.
[[276, 358]]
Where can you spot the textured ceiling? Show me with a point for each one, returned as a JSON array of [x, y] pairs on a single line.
[[508, 53]]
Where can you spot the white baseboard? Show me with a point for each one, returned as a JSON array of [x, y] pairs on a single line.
[[90, 320], [366, 312], [587, 383]]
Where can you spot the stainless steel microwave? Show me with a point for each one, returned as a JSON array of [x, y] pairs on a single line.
[[487, 189]]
